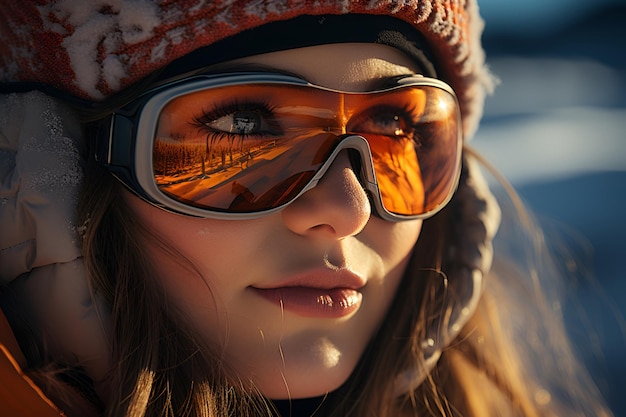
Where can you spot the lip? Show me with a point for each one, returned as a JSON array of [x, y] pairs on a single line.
[[318, 293]]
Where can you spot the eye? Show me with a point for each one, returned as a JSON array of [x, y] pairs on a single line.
[[386, 121], [243, 123], [385, 124], [244, 119]]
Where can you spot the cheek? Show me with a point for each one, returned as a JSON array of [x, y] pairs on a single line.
[[203, 242], [406, 234], [394, 242], [199, 258]]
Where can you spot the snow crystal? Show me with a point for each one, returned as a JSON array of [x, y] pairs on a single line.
[[82, 48], [111, 24], [137, 20], [201, 25], [172, 15], [255, 8], [176, 35], [198, 7], [158, 52], [113, 71], [225, 16]]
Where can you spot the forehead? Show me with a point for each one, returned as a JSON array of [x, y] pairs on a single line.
[[344, 66]]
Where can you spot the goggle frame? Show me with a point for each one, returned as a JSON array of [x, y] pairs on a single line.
[[130, 160]]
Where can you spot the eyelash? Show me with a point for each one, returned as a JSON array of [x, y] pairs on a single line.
[[265, 109], [407, 112]]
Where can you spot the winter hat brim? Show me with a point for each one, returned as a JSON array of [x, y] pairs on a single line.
[[95, 49]]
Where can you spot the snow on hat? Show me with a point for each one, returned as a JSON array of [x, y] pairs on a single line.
[[94, 49]]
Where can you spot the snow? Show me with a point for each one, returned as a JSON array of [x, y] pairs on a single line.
[[553, 118], [108, 23], [561, 143]]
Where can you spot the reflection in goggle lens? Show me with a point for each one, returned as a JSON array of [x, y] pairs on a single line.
[[252, 148]]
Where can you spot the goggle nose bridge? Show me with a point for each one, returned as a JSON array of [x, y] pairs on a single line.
[[354, 144]]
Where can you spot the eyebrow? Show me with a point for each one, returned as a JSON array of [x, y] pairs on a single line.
[[372, 85]]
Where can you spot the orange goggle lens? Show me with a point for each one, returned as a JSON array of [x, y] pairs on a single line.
[[253, 148]]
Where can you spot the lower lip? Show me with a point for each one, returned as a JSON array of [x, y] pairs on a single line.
[[314, 302]]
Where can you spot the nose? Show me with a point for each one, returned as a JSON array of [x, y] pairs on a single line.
[[335, 208]]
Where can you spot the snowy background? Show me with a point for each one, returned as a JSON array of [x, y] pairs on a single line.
[[556, 128]]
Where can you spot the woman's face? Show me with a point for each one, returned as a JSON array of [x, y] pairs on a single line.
[[291, 300]]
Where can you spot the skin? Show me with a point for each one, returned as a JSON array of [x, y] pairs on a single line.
[[329, 228]]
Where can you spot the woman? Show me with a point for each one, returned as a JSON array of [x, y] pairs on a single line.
[[276, 216]]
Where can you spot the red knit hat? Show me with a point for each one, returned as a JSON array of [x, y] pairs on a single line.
[[93, 49]]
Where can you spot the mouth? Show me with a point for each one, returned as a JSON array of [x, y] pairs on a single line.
[[314, 302], [317, 294]]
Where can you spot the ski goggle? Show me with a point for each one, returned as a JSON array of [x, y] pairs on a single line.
[[244, 145]]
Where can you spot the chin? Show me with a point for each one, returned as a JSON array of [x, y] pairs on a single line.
[[305, 381], [304, 386]]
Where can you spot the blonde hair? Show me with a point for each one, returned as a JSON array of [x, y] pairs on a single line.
[[163, 370]]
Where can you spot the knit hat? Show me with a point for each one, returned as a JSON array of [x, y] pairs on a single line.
[[93, 49]]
